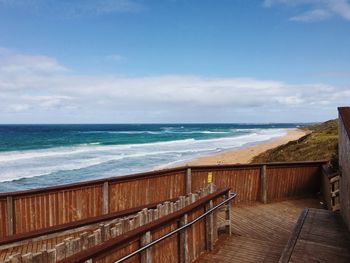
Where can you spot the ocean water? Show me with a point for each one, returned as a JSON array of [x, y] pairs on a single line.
[[33, 156]]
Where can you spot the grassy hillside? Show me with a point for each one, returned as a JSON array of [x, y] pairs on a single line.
[[320, 144]]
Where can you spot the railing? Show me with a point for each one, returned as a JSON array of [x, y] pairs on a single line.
[[75, 237], [25, 211], [335, 191], [330, 188], [197, 234], [232, 195]]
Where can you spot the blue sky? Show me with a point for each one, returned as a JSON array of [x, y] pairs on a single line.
[[173, 60]]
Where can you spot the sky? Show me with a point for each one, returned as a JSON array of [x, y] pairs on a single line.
[[173, 61]]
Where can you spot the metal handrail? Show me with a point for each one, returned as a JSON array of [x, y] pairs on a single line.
[[232, 195]]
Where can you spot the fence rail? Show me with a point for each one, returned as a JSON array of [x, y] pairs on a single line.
[[30, 210], [330, 188]]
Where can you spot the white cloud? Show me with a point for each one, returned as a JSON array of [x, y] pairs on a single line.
[[17, 108], [27, 64], [269, 3], [49, 102], [16, 67], [311, 16], [317, 10], [27, 86], [340, 7], [18, 103]]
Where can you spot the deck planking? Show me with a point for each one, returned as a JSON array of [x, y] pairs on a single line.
[[259, 232], [323, 237]]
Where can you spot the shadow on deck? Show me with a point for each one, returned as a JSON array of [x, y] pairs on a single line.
[[260, 232]]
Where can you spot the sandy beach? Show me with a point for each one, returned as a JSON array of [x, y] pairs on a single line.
[[246, 154]]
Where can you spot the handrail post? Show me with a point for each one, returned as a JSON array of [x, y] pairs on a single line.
[[209, 227], [10, 216], [263, 184], [183, 240], [228, 214], [146, 256], [105, 198], [188, 181]]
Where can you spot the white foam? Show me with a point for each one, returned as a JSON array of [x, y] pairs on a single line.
[[165, 131], [59, 151], [16, 165]]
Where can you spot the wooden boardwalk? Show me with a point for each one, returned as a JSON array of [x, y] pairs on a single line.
[[319, 236], [260, 232]]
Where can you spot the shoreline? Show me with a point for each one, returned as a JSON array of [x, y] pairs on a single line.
[[246, 153]]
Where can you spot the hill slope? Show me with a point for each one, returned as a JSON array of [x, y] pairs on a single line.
[[320, 144]]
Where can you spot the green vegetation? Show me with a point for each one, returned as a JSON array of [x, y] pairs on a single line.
[[320, 144]]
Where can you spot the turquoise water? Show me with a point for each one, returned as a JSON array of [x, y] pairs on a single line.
[[34, 156]]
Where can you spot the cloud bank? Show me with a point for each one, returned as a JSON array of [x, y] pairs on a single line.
[[32, 86]]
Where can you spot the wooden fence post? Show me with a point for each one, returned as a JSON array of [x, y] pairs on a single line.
[[60, 251], [44, 256], [263, 184], [105, 198], [146, 256], [69, 246], [188, 181], [209, 228], [51, 255], [228, 214], [183, 240], [16, 258], [37, 257], [10, 216], [27, 258]]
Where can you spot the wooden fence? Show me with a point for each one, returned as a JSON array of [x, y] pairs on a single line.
[[73, 227], [30, 210], [52, 246], [184, 245]]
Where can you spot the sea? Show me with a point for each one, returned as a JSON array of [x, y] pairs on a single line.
[[33, 156]]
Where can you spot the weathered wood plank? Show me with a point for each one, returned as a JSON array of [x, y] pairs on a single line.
[[188, 181], [105, 198], [259, 232], [288, 250], [146, 256], [209, 228], [263, 184], [183, 241], [10, 216], [323, 238]]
